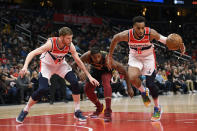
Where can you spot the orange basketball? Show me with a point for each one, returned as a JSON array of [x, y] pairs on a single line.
[[174, 41]]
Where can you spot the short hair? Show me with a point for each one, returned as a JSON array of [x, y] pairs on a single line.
[[95, 50], [65, 31], [138, 19]]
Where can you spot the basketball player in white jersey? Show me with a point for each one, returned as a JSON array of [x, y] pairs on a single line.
[[141, 59], [52, 61]]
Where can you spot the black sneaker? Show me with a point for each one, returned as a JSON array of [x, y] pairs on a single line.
[[21, 116], [79, 116]]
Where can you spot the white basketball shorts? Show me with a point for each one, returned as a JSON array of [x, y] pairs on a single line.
[[146, 64], [48, 70]]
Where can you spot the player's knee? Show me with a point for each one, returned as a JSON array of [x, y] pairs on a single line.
[[149, 83], [133, 78], [154, 92], [89, 88], [39, 93], [153, 89], [75, 87]]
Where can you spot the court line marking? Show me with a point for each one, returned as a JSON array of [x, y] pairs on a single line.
[[89, 129], [89, 112], [187, 120]]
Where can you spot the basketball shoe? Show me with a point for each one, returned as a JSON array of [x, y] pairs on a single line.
[[21, 117], [78, 115], [157, 114], [145, 97], [98, 111]]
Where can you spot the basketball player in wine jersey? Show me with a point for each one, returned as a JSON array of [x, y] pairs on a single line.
[[97, 59], [141, 59], [52, 61]]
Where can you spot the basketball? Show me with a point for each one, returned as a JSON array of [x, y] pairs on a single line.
[[174, 41]]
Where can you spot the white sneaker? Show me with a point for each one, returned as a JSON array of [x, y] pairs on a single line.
[[118, 94], [114, 95], [194, 91]]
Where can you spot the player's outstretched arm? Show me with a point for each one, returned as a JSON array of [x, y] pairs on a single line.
[[122, 70], [122, 36], [84, 58], [81, 65], [46, 47], [155, 35]]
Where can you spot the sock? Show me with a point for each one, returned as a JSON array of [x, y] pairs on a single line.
[[108, 102], [30, 103], [77, 106], [107, 89]]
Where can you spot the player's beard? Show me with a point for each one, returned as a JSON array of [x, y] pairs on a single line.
[[140, 36], [65, 43]]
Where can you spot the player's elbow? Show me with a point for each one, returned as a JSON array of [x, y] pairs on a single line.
[[115, 38]]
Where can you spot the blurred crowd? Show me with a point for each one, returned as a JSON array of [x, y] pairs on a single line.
[[174, 75]]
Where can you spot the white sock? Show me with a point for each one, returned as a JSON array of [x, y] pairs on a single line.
[[142, 89], [27, 107], [30, 103], [77, 106]]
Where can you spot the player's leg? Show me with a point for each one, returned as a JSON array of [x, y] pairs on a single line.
[[106, 77], [72, 79], [89, 90], [43, 88], [134, 72], [155, 94], [149, 71], [134, 76]]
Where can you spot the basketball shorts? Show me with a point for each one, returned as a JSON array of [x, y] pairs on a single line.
[[146, 64], [48, 70]]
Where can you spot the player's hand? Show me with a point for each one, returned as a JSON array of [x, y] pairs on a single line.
[[109, 62], [22, 72], [182, 48], [130, 92], [93, 81]]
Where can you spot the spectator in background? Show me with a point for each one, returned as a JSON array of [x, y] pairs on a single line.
[[6, 44], [183, 81], [13, 61], [34, 80], [116, 84], [3, 87], [168, 84], [176, 81], [160, 81], [25, 86], [189, 81], [9, 54], [3, 59]]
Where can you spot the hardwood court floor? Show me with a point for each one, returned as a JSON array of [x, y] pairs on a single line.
[[179, 113]]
